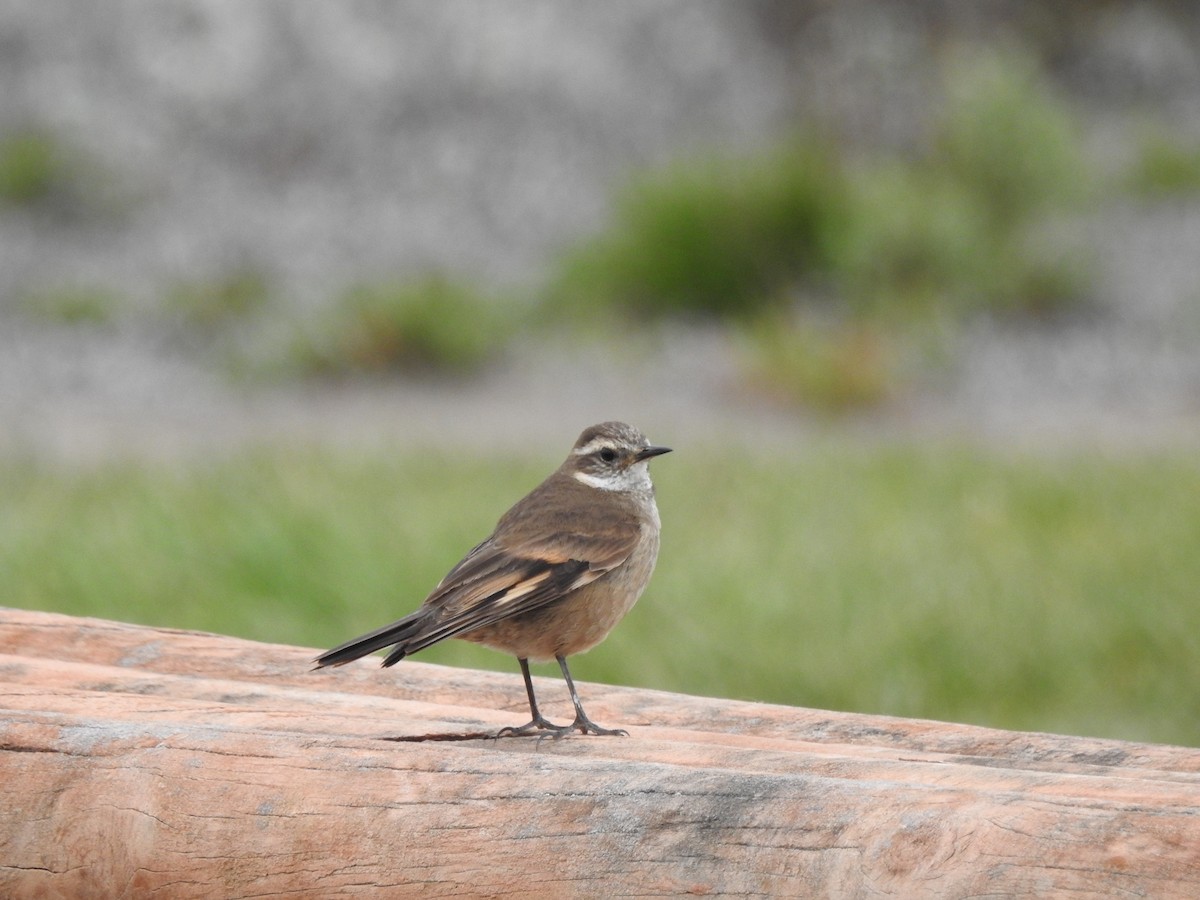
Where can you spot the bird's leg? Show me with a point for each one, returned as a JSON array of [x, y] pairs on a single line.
[[538, 722], [582, 722]]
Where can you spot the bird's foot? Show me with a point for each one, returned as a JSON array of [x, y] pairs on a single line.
[[587, 726], [544, 728], [533, 726]]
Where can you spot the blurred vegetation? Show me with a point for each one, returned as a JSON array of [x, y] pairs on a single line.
[[845, 273], [1167, 166], [1008, 139], [226, 301], [1052, 593], [885, 243], [72, 305], [33, 165], [42, 172], [712, 237], [828, 364], [430, 324]]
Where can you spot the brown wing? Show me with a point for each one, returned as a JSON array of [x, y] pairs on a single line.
[[498, 586], [526, 564]]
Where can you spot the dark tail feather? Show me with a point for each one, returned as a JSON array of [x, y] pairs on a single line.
[[396, 633]]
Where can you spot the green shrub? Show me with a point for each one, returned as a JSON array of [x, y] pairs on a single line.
[[225, 300], [1008, 139], [41, 171], [1166, 166], [950, 232], [713, 237], [917, 243], [72, 305], [922, 246], [830, 365], [897, 243], [432, 324], [32, 166]]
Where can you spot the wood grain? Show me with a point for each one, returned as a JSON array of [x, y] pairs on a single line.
[[143, 762]]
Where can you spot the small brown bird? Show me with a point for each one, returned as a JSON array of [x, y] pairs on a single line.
[[562, 567]]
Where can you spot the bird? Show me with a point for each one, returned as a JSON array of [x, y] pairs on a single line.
[[561, 568]]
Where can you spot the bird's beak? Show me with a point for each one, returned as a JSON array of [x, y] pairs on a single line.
[[652, 451]]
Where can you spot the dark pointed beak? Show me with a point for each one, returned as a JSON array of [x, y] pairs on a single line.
[[652, 451]]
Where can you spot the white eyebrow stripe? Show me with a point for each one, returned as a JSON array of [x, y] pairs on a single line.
[[592, 446]]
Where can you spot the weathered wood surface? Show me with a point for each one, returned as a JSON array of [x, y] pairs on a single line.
[[142, 762]]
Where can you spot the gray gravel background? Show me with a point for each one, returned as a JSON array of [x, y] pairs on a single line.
[[324, 143]]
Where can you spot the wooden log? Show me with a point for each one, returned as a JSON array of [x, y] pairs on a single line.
[[140, 762]]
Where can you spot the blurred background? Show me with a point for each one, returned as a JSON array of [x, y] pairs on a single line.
[[296, 299]]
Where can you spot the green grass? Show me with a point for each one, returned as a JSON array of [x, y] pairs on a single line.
[[1038, 593]]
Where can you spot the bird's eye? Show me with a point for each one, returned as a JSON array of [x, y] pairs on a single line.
[[608, 454]]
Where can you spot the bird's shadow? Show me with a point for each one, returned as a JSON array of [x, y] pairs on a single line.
[[536, 737], [443, 736]]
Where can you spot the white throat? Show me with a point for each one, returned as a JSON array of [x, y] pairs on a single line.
[[635, 478]]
